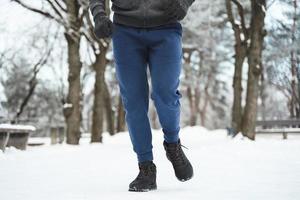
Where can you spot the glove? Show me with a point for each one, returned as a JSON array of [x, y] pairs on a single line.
[[103, 27], [178, 8]]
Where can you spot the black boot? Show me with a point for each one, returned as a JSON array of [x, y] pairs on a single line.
[[146, 179], [182, 166]]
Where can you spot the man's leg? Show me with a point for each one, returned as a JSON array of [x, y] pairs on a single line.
[[130, 56], [165, 66], [165, 62]]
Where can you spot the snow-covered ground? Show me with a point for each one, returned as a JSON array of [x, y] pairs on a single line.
[[267, 169]]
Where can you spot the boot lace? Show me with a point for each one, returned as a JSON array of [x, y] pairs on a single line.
[[176, 154], [144, 171]]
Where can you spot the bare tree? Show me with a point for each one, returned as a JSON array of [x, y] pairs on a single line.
[[257, 34], [283, 56], [32, 83], [248, 44], [24, 73], [193, 93], [241, 36], [68, 14], [102, 105], [295, 102], [120, 116]]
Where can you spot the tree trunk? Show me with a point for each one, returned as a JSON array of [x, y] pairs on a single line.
[[294, 102], [98, 107], [241, 37], [121, 117], [193, 90], [203, 110], [192, 105], [293, 86], [108, 110], [263, 95], [240, 54], [72, 112], [257, 34]]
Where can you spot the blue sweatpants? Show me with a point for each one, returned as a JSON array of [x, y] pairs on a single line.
[[135, 49]]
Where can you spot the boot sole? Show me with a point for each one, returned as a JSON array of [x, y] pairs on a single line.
[[184, 180], [142, 190]]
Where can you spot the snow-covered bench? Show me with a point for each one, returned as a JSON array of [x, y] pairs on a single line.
[[14, 135], [278, 126]]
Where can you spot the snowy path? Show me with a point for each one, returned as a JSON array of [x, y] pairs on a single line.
[[224, 169]]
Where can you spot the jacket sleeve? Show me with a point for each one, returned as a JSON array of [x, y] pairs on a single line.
[[184, 4], [189, 3], [97, 7]]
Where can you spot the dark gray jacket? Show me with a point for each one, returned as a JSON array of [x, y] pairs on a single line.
[[138, 13]]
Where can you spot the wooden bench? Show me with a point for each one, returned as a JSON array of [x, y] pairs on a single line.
[[278, 127], [14, 135]]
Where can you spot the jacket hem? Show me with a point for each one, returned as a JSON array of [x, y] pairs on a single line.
[[139, 23]]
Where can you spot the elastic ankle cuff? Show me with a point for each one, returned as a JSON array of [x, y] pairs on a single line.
[[174, 140], [145, 157], [171, 137]]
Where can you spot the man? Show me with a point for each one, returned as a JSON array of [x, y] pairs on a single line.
[[148, 32]]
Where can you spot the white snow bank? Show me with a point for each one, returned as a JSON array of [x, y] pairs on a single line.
[[68, 105], [225, 169], [17, 127]]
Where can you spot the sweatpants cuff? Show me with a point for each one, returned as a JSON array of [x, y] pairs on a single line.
[[171, 137], [145, 157]]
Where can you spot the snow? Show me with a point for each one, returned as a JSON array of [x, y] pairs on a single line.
[[242, 36], [237, 22], [263, 8], [3, 113], [67, 105], [257, 66], [225, 168], [17, 127]]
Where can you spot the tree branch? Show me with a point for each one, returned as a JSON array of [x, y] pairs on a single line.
[[241, 14], [41, 12], [55, 9]]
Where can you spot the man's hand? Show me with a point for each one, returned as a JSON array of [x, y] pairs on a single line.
[[103, 27], [178, 8]]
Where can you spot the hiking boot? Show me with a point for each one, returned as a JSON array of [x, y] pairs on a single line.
[[146, 179], [182, 166]]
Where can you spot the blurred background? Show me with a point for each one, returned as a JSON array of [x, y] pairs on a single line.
[[241, 64], [240, 82]]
